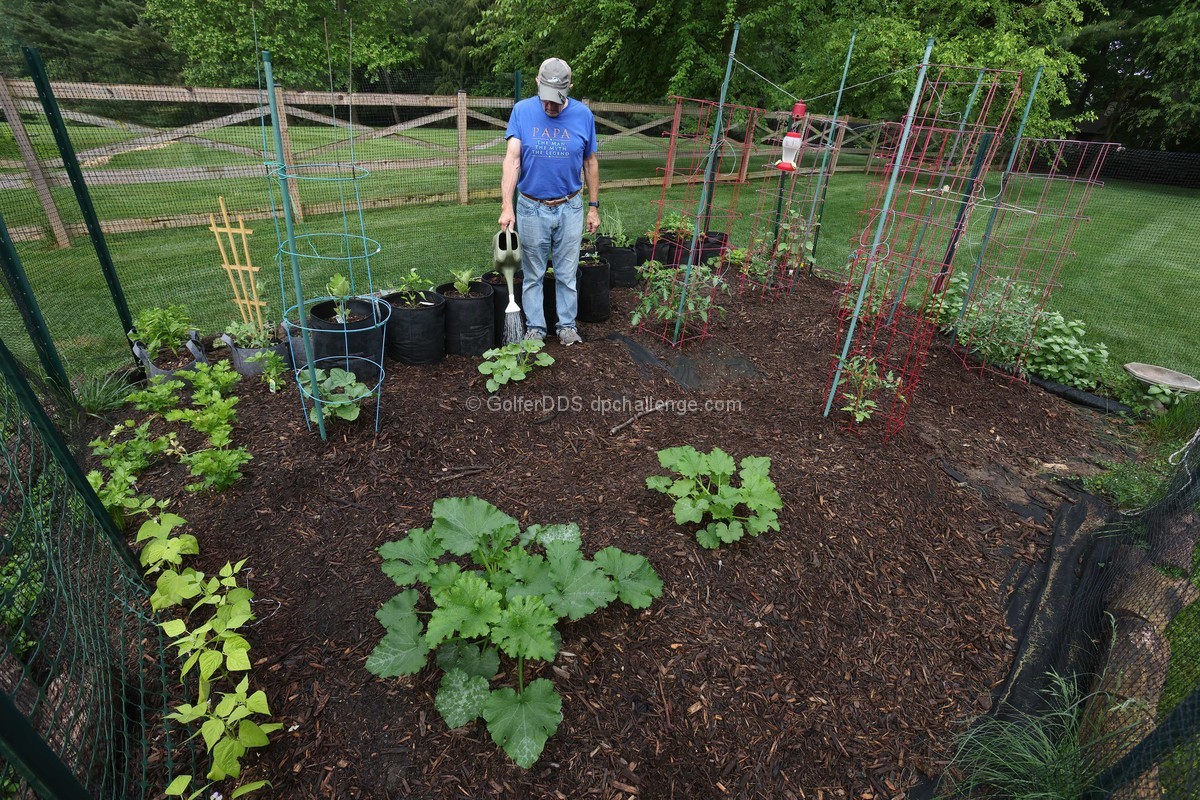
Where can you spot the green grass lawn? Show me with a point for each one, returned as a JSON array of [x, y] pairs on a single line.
[[1134, 280]]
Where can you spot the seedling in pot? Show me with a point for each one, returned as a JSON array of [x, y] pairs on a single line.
[[614, 228], [410, 288], [250, 336], [462, 282], [339, 289], [162, 329]]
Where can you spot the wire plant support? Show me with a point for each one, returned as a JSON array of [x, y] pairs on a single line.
[[327, 332], [915, 230]]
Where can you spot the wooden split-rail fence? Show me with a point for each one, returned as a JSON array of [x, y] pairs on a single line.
[[657, 126]]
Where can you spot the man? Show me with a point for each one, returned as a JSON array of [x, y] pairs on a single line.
[[551, 138]]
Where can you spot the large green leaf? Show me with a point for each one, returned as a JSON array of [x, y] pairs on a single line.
[[525, 629], [530, 573], [687, 461], [460, 697], [463, 523], [636, 581], [690, 509], [476, 660], [521, 723], [720, 464], [399, 610], [413, 558], [468, 608], [545, 534], [579, 586], [402, 651]]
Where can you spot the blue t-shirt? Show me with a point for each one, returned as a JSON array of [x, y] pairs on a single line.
[[552, 148]]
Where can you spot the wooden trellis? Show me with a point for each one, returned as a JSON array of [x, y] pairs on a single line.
[[243, 276]]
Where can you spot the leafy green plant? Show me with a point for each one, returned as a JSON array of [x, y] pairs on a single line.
[[462, 281], [677, 225], [103, 394], [664, 290], [339, 289], [229, 732], [879, 297], [513, 362], [218, 378], [521, 585], [210, 414], [162, 548], [159, 328], [613, 227], [218, 468], [159, 394], [704, 489], [273, 368], [340, 392], [22, 570], [861, 380], [1060, 354], [133, 454], [250, 336], [1052, 755], [410, 288]]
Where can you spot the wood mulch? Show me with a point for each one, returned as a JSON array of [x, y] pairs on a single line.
[[833, 659]]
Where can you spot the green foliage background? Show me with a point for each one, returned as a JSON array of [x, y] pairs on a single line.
[[1122, 69]]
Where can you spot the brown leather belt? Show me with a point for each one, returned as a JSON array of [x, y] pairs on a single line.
[[554, 202]]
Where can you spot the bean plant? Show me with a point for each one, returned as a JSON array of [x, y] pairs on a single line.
[[506, 599]]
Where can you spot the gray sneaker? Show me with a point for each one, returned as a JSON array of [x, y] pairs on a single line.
[[569, 336], [534, 335]]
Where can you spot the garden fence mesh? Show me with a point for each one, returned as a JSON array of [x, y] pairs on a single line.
[[1107, 672], [84, 684]]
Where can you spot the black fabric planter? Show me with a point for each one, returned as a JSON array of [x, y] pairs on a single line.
[[669, 251], [622, 264], [711, 246], [244, 358], [595, 299], [361, 338], [643, 249], [470, 328], [416, 335], [500, 298]]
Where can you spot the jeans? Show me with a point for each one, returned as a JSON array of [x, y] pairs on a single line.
[[550, 235]]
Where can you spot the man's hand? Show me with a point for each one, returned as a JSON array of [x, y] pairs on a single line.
[[508, 219], [593, 219]]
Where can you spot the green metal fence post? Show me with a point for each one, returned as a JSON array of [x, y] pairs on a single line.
[[881, 226], [822, 177], [71, 164], [24, 748], [31, 315], [11, 372]]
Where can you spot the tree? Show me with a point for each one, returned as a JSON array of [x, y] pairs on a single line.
[[623, 51], [313, 43], [89, 40]]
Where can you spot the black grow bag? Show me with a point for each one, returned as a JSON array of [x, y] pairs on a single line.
[[595, 299], [622, 263], [359, 342], [416, 335], [469, 324], [643, 249]]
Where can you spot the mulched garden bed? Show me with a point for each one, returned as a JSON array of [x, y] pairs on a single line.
[[832, 659]]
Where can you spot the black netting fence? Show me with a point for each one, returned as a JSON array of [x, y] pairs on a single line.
[[1103, 699], [84, 679]]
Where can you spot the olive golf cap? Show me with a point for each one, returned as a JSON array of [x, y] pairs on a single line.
[[554, 80]]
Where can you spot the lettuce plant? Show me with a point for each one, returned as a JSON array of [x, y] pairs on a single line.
[[508, 601]]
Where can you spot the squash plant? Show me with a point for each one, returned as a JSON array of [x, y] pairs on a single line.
[[508, 600]]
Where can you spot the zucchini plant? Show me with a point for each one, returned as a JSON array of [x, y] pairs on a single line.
[[507, 602]]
